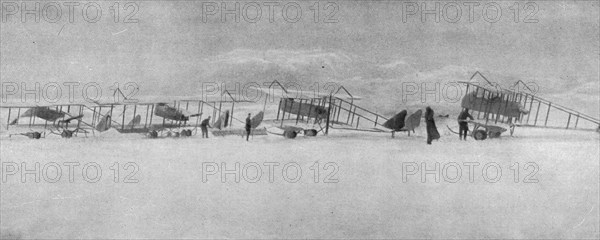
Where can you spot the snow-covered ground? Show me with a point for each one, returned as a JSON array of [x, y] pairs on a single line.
[[366, 191]]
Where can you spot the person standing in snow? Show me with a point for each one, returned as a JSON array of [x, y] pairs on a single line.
[[463, 125], [248, 126], [432, 132], [205, 123]]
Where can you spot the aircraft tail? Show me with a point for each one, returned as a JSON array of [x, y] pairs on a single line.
[[396, 122], [135, 121], [413, 121], [104, 123], [257, 119]]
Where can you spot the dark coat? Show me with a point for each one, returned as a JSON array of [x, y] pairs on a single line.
[[205, 123], [248, 124], [463, 116], [432, 131]]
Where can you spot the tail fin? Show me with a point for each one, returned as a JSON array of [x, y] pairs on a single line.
[[135, 121], [103, 124]]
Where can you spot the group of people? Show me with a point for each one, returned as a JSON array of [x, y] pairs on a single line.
[[432, 132], [205, 124]]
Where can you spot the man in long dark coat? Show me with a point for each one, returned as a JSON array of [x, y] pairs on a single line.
[[248, 126], [432, 132]]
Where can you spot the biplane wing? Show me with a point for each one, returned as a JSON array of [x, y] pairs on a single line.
[[303, 109], [172, 113], [493, 104], [299, 94], [40, 112]]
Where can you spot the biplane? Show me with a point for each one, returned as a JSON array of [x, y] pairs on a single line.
[[313, 113], [68, 120], [224, 118], [56, 120], [497, 110]]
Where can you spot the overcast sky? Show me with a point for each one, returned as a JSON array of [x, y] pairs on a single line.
[[562, 42]]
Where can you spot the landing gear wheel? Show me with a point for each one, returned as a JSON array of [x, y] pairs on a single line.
[[479, 135], [184, 133], [66, 134], [289, 134], [494, 134], [310, 132], [153, 134], [34, 135]]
